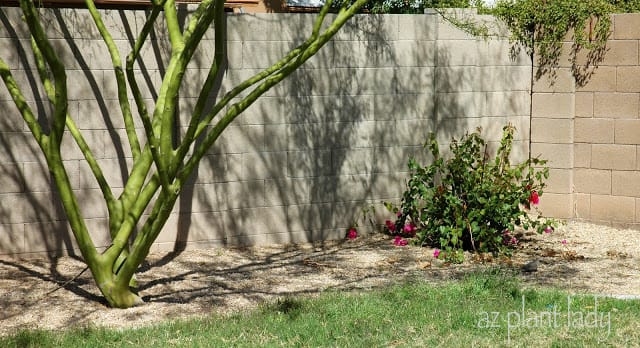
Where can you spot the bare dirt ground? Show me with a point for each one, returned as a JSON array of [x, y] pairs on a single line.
[[46, 293]]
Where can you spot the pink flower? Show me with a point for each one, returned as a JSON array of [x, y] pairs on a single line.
[[399, 214], [514, 240], [390, 225], [410, 229], [534, 198], [353, 233], [399, 241], [564, 242], [548, 229], [436, 253]]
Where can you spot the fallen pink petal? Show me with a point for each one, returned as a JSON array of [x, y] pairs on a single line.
[[390, 225], [436, 253], [353, 233], [399, 241]]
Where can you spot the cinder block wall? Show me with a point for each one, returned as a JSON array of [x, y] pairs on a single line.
[[592, 132], [300, 164]]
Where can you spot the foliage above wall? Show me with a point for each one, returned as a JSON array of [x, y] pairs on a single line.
[[414, 6], [543, 25]]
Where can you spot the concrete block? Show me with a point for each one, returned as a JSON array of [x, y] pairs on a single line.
[[12, 23], [413, 132], [92, 203], [558, 155], [417, 27], [457, 79], [621, 52], [460, 105], [19, 147], [240, 139], [216, 168], [309, 163], [386, 80], [192, 227], [292, 191], [602, 80], [403, 106], [625, 26], [616, 105], [627, 132], [332, 108], [628, 79], [12, 177], [584, 104], [11, 118], [372, 27], [556, 205], [374, 54], [498, 52], [560, 181], [413, 53], [459, 52], [51, 237], [15, 53], [115, 170], [553, 105], [275, 136], [594, 130], [11, 239], [263, 165], [387, 159], [352, 161], [227, 195], [583, 206], [594, 181], [563, 82], [613, 208], [552, 130], [505, 78], [308, 217], [332, 135], [582, 155], [448, 31], [30, 87], [246, 26], [23, 208], [256, 221], [625, 183], [39, 178], [617, 157], [270, 52], [414, 80], [356, 187], [94, 138], [507, 103]]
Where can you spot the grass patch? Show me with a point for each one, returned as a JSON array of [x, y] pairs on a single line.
[[483, 309]]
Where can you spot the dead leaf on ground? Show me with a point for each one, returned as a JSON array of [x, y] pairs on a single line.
[[572, 255]]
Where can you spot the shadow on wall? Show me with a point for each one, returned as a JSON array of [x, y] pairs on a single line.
[[335, 137]]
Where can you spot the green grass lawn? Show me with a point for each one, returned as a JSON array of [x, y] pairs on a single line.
[[484, 309]]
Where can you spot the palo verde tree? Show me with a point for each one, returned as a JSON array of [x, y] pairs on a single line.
[[162, 164]]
